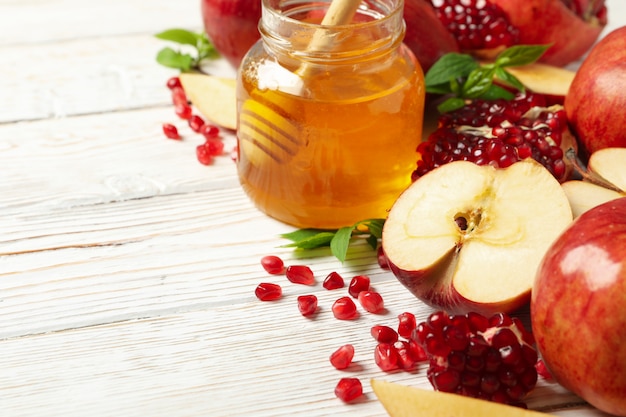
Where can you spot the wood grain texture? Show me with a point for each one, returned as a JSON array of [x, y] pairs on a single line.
[[127, 269]]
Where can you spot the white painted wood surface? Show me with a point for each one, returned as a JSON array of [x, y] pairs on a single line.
[[127, 269]]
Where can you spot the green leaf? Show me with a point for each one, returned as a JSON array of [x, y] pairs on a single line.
[[440, 88], [375, 227], [340, 242], [451, 104], [496, 92], [478, 82], [174, 59], [372, 241], [508, 78], [520, 55], [319, 239], [450, 66], [181, 36]]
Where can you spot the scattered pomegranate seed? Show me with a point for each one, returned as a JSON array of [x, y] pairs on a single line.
[[384, 334], [300, 274], [345, 309], [543, 370], [267, 291], [173, 82], [215, 147], [406, 357], [372, 301], [381, 258], [307, 304], [179, 97], [357, 284], [386, 357], [490, 358], [203, 155], [170, 131], [417, 351], [406, 324], [273, 264], [184, 111], [210, 131], [349, 389], [342, 357], [196, 122], [333, 281]]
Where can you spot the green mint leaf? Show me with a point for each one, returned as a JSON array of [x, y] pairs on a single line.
[[372, 241], [440, 88], [181, 36], [340, 242], [311, 241], [450, 66], [375, 227], [174, 59], [520, 55], [451, 104], [478, 82], [508, 78], [496, 92]]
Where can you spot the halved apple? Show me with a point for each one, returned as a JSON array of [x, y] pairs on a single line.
[[213, 96], [404, 401], [469, 238], [604, 180]]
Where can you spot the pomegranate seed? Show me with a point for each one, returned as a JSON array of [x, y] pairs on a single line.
[[300, 274], [406, 324], [342, 357], [333, 281], [371, 301], [195, 123], [173, 82], [349, 389], [215, 147], [384, 334], [307, 304], [481, 357], [273, 264], [184, 111], [386, 357], [543, 370], [345, 309], [417, 351], [406, 359], [381, 258], [179, 98], [170, 131], [357, 284], [267, 291], [203, 155], [210, 131]]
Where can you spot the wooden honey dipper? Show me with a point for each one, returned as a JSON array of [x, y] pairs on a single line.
[[265, 132]]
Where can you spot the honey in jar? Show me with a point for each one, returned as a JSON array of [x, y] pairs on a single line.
[[327, 135]]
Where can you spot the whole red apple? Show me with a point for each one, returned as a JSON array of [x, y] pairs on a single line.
[[578, 307], [596, 99], [232, 26]]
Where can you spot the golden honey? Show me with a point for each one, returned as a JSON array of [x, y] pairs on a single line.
[[328, 138]]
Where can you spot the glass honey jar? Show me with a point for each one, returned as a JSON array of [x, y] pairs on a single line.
[[329, 116]]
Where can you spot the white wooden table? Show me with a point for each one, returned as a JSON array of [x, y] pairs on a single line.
[[128, 269]]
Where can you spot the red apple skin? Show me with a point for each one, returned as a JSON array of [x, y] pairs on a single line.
[[578, 307], [596, 99], [425, 35], [432, 289], [542, 22], [232, 26]]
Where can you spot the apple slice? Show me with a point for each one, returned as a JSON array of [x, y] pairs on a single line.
[[214, 97], [404, 401], [604, 180], [465, 237], [544, 79]]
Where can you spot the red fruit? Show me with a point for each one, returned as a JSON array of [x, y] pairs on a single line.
[[349, 389], [215, 147], [543, 370], [381, 258], [307, 304], [345, 309], [184, 111], [384, 334], [333, 281], [500, 133], [173, 82], [342, 357], [406, 357], [386, 357], [406, 324], [479, 357], [357, 284], [300, 274], [203, 155], [179, 97], [371, 301], [210, 131], [195, 123], [267, 291], [273, 264], [170, 131]]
